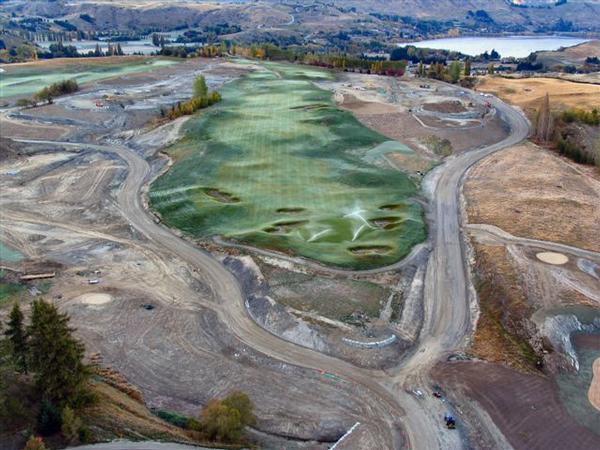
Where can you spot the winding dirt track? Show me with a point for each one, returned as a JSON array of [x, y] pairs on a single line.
[[448, 300]]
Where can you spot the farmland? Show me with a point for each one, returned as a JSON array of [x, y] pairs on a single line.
[[277, 165], [26, 79]]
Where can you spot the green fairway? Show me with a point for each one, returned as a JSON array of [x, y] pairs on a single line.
[[26, 79], [278, 166]]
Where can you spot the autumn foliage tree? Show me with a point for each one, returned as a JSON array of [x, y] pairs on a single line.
[[224, 420]]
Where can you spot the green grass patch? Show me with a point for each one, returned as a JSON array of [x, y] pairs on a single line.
[[27, 79], [277, 165]]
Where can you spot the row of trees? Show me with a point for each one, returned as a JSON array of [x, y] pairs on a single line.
[[48, 93], [201, 98]]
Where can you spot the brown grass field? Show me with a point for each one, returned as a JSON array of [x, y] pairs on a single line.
[[530, 192], [527, 93]]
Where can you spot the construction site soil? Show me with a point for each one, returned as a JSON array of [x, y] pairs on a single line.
[[525, 407]]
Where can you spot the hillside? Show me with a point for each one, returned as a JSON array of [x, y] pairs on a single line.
[[373, 18]]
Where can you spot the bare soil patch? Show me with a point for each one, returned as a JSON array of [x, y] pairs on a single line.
[[529, 192], [448, 107], [525, 407], [95, 299]]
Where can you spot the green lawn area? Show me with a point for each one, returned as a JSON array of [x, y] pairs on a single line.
[[26, 79], [278, 166]]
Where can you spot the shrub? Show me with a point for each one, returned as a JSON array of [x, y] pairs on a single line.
[[71, 425], [173, 418], [35, 443]]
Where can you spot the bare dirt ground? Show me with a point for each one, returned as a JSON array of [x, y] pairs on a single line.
[[525, 407], [533, 222], [160, 303], [527, 93], [530, 192], [412, 112]]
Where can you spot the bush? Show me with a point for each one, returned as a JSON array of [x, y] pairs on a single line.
[[71, 425], [173, 418], [225, 420], [35, 443], [579, 115]]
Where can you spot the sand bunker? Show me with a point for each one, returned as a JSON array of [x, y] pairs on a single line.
[[594, 392], [94, 299], [557, 259]]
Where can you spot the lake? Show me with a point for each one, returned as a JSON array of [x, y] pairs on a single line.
[[517, 46]]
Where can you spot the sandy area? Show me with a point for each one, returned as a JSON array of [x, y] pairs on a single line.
[[528, 92], [557, 259], [530, 192], [94, 299], [594, 392]]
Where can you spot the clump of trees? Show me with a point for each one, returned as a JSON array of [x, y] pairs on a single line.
[[201, 98], [46, 352], [557, 131], [48, 93]]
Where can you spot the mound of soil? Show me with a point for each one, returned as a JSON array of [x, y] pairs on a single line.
[[447, 107]]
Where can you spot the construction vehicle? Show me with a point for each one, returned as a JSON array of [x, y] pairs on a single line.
[[450, 422]]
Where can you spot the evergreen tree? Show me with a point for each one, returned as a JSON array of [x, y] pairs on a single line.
[[119, 50], [56, 356], [17, 337], [455, 70], [98, 50]]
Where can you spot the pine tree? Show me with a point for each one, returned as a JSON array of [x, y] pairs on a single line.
[[56, 356], [17, 337], [98, 50]]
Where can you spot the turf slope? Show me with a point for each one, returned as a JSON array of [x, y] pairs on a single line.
[[277, 165]]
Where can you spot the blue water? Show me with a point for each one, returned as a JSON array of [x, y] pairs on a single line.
[[517, 46], [8, 254]]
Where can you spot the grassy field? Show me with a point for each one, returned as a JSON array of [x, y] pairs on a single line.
[[26, 79], [277, 165]]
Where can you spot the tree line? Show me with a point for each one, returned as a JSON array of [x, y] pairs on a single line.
[[201, 98], [48, 93]]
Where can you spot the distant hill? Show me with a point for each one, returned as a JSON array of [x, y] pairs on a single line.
[[340, 24]]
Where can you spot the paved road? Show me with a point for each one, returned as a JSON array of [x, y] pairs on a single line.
[[447, 301]]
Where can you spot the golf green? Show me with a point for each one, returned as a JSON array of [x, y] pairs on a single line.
[[276, 165]]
